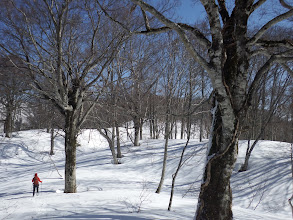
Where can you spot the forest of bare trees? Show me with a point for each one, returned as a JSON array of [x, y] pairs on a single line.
[[92, 64]]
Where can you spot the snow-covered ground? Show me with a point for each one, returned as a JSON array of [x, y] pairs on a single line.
[[127, 191]]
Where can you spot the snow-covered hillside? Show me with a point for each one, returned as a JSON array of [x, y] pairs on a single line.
[[126, 191]]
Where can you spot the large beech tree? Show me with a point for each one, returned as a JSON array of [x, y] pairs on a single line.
[[230, 46], [66, 46]]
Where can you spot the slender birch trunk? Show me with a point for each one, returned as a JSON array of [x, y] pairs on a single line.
[[167, 134]]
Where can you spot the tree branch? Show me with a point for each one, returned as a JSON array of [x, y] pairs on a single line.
[[272, 22], [275, 58], [273, 43], [146, 20], [287, 68], [179, 30], [215, 24], [257, 5], [223, 10], [285, 5], [199, 35], [114, 20]]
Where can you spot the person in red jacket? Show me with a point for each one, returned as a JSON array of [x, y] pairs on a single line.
[[36, 181]]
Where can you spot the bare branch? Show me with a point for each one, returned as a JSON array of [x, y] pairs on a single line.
[[146, 20], [199, 35], [271, 23], [275, 58], [272, 43], [285, 4], [257, 79], [213, 16], [257, 5], [287, 68], [179, 30], [114, 20], [153, 31]]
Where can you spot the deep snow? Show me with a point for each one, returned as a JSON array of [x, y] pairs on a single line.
[[126, 191]]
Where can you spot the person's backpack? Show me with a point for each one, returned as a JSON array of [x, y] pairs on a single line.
[[36, 180]]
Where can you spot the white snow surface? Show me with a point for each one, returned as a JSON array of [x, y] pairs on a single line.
[[127, 191]]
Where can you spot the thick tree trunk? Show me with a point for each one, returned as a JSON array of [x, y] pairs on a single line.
[[221, 156], [70, 152]]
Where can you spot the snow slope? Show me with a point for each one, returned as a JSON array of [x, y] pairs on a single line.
[[126, 191]]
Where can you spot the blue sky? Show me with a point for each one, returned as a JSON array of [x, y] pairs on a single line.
[[191, 11]]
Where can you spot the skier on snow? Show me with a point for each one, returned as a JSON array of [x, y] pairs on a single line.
[[36, 181]]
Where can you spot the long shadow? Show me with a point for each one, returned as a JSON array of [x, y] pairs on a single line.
[[115, 215], [17, 195], [265, 176], [104, 217]]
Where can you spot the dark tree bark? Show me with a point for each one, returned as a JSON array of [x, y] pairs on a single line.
[[52, 141], [71, 133], [119, 154]]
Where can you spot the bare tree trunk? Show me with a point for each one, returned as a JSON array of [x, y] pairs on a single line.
[[201, 117], [220, 164], [136, 122], [140, 128], [151, 129], [181, 162], [110, 142], [8, 121], [52, 141], [119, 154], [113, 136], [70, 152], [182, 127], [167, 134], [127, 132], [176, 130]]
